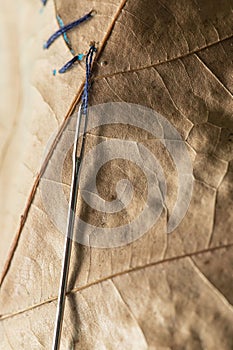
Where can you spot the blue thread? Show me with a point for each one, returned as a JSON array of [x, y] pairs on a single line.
[[80, 56], [54, 72], [66, 28], [70, 63], [61, 24], [44, 2], [85, 96]]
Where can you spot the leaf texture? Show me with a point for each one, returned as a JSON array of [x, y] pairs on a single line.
[[161, 291]]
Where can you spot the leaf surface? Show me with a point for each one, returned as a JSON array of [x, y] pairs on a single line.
[[161, 291]]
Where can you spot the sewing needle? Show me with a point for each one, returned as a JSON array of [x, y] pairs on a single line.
[[69, 228]]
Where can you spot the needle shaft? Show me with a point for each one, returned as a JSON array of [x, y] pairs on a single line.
[[69, 231]]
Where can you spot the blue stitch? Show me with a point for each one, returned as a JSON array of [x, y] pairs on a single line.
[[80, 56], [66, 28], [60, 21], [70, 63]]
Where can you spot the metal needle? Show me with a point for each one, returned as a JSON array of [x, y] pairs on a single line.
[[69, 229]]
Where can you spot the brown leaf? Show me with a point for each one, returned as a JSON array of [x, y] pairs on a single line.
[[161, 291]]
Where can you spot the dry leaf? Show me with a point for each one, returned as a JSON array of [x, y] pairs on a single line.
[[161, 291]]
